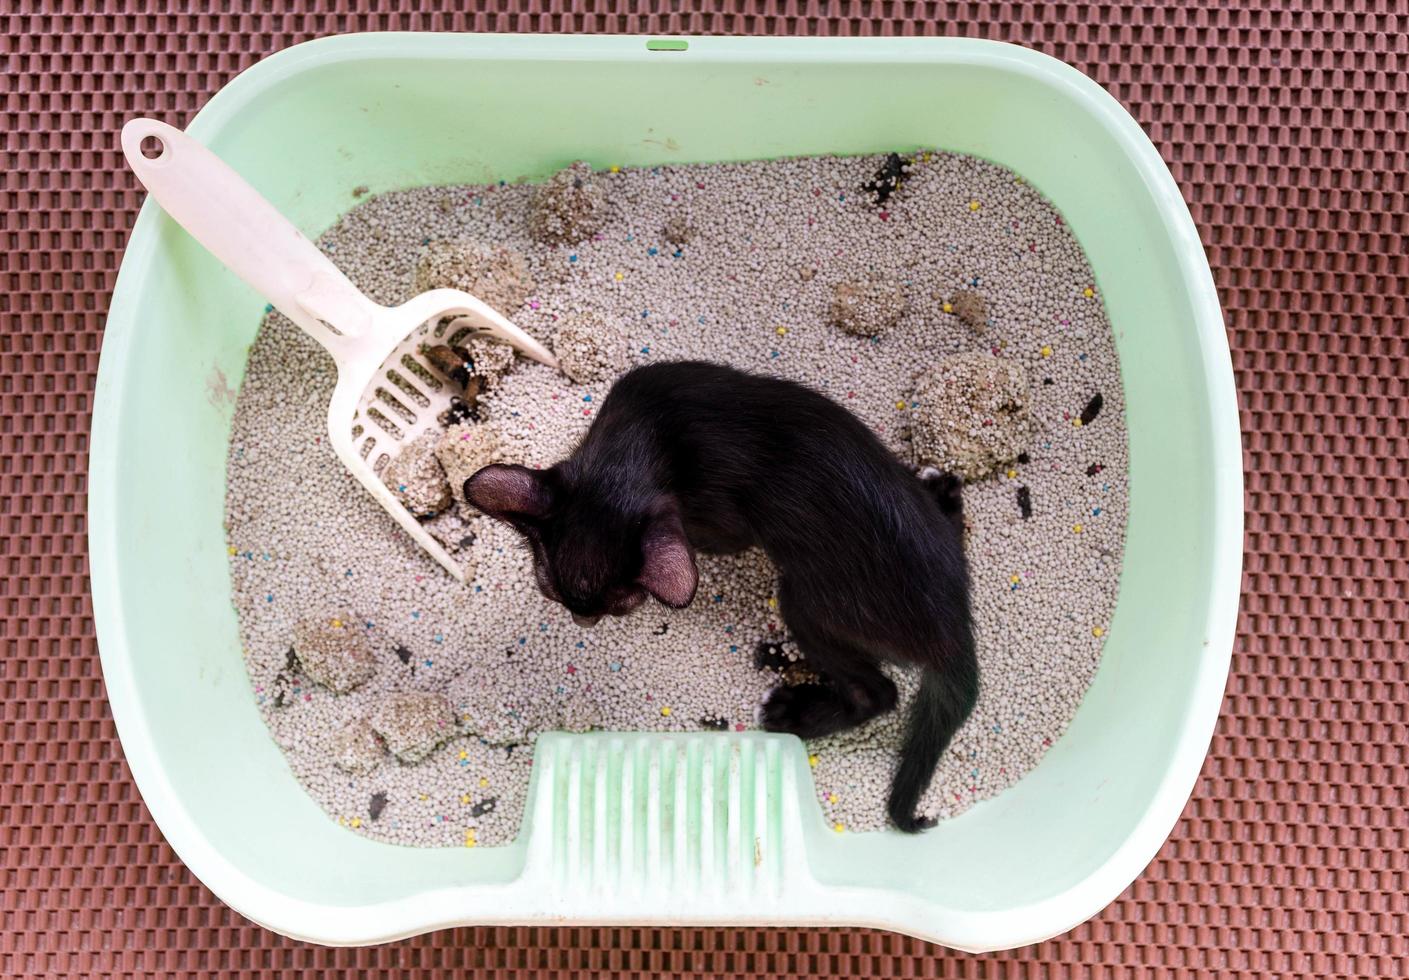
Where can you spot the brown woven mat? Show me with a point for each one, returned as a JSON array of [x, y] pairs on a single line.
[[1285, 129]]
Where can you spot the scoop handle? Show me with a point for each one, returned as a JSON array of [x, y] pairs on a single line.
[[244, 231]]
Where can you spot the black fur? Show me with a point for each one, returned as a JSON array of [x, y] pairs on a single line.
[[695, 456]]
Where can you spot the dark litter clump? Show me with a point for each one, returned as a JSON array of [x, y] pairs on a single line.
[[1093, 469], [1025, 502], [1092, 409], [1047, 381], [459, 411], [453, 362], [484, 806], [714, 724], [887, 179], [376, 805], [1024, 458], [285, 678], [770, 656], [404, 654]]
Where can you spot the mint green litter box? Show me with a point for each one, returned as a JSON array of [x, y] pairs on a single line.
[[657, 829]]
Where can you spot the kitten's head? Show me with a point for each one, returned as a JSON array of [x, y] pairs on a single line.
[[596, 552]]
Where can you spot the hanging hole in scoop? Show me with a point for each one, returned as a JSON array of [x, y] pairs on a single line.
[[152, 147]]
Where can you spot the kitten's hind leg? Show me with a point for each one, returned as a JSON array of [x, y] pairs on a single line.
[[853, 689]]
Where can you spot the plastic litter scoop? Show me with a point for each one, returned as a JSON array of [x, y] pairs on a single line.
[[387, 392]]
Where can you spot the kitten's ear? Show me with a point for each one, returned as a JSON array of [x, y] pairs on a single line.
[[511, 493], [667, 561]]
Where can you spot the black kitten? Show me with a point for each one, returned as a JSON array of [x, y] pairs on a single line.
[[693, 456]]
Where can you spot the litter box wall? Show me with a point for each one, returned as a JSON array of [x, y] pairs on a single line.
[[724, 828]]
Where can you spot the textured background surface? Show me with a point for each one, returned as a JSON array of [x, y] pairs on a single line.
[[1285, 128]]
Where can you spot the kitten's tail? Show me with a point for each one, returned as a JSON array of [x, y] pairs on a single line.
[[947, 695]]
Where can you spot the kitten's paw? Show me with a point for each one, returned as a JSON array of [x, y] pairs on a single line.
[[804, 710]]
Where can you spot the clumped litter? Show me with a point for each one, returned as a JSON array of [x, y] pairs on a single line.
[[937, 296]]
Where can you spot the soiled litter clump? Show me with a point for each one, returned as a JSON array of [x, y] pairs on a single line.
[[867, 307], [971, 308], [496, 274], [356, 748], [334, 652], [465, 449], [415, 477], [973, 414], [414, 724], [569, 208], [497, 721], [489, 360], [590, 348], [678, 230]]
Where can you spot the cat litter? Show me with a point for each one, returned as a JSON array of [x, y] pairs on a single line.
[[438, 735]]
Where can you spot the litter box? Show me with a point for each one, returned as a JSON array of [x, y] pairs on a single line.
[[708, 828]]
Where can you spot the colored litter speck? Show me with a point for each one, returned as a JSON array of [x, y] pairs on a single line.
[[772, 602], [234, 550], [645, 350], [1088, 292], [1015, 579], [781, 331], [614, 169], [614, 666], [973, 205], [483, 783], [269, 597], [1012, 474], [1097, 632], [1076, 528], [356, 822], [1046, 351], [572, 258], [469, 837], [812, 761], [831, 797], [838, 827], [619, 277], [1095, 512], [464, 754], [464, 797], [900, 406], [665, 711]]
